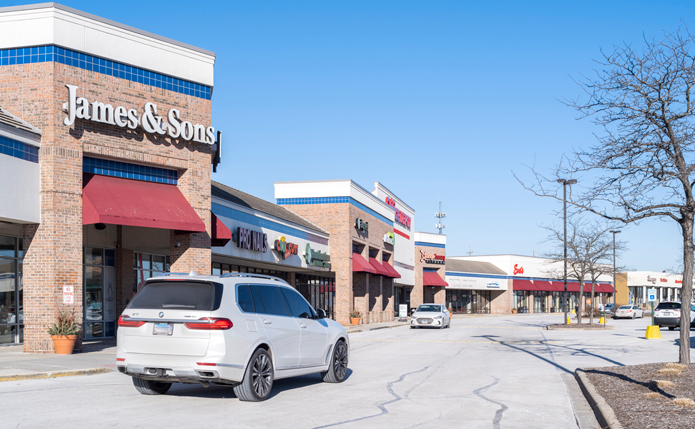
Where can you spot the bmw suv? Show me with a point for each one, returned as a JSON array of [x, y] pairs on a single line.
[[241, 330]]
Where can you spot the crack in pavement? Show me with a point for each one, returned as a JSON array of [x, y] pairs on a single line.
[[380, 405], [499, 412]]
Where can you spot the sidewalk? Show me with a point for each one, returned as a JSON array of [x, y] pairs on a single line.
[[97, 357], [351, 329]]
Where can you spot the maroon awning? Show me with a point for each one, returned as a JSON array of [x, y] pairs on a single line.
[[380, 270], [523, 284], [431, 278], [559, 286], [543, 285], [117, 201], [572, 286], [221, 235], [604, 288], [359, 265], [392, 271]]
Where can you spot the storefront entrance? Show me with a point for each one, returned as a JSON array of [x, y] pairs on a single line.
[[402, 297], [99, 292], [11, 293], [468, 301]]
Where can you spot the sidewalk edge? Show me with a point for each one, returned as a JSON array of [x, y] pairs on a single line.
[[604, 412], [55, 374]]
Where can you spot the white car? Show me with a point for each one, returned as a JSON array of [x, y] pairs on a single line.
[[241, 330], [628, 311], [430, 315]]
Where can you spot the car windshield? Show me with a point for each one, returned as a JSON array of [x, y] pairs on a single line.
[[669, 306], [426, 307], [625, 307]]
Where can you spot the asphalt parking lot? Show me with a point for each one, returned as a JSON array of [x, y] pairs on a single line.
[[499, 372]]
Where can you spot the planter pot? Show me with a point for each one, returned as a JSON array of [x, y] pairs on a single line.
[[514, 311], [64, 344], [355, 320]]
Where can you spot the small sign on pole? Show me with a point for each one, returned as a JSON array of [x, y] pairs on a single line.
[[68, 294], [651, 297]]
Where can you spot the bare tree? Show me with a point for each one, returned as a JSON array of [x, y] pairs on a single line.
[[643, 162], [590, 252]]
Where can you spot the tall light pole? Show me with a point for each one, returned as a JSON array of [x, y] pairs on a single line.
[[614, 288], [565, 182]]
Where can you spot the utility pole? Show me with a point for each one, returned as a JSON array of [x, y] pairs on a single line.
[[439, 215], [614, 290], [566, 182]]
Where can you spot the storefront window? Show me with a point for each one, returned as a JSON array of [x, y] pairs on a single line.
[[521, 301], [99, 292], [11, 310], [319, 291], [145, 266], [539, 301], [468, 301]]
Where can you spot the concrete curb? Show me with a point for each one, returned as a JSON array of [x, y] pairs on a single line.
[[604, 412], [550, 328], [55, 374], [354, 331]]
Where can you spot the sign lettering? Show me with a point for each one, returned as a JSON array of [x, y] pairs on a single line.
[[432, 258], [519, 270], [252, 240], [285, 248], [316, 257], [362, 225], [68, 294], [391, 202]]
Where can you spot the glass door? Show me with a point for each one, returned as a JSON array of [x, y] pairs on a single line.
[[99, 292]]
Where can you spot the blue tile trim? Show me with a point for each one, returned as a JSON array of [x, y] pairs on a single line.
[[332, 200], [430, 270], [19, 150], [224, 211], [40, 54], [423, 243], [129, 171]]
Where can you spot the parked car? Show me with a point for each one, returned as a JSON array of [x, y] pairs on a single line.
[[628, 311], [668, 313], [430, 316], [609, 309], [240, 330]]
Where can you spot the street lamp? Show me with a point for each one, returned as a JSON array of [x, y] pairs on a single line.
[[614, 288], [565, 182]]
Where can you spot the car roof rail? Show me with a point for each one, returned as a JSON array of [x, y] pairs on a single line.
[[258, 276], [173, 274]]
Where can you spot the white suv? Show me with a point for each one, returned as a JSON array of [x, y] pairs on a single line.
[[243, 330]]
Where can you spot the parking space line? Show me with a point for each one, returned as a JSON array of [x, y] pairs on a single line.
[[457, 341]]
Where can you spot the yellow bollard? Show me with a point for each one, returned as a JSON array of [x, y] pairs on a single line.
[[568, 321], [653, 332], [602, 320]]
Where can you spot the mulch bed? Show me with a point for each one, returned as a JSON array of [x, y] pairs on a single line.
[[579, 326], [639, 402]]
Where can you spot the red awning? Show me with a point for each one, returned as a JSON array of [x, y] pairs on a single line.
[[559, 286], [380, 270], [431, 278], [606, 288], [392, 271], [359, 265], [523, 284], [221, 235], [544, 285], [571, 286], [117, 201]]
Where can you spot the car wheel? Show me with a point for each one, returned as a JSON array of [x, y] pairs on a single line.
[[150, 387], [258, 379], [671, 328], [633, 316], [339, 362]]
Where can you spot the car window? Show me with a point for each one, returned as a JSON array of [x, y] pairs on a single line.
[[272, 300], [178, 295], [298, 305], [257, 302], [668, 306], [243, 297], [429, 307], [625, 307]]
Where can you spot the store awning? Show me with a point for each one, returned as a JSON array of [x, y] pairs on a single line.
[[606, 288], [572, 286], [431, 278], [221, 235], [378, 267], [392, 271], [559, 286], [544, 285], [523, 284], [360, 265], [116, 201]]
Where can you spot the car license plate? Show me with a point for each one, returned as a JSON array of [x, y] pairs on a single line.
[[425, 321], [163, 329], [666, 313]]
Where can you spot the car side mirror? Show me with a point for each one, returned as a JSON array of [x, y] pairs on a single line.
[[321, 313]]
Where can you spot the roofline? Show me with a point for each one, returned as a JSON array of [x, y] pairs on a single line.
[[376, 184], [105, 21], [503, 254], [352, 182]]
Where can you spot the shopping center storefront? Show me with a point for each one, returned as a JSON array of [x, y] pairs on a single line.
[[430, 269], [258, 237], [476, 287], [635, 288], [123, 158]]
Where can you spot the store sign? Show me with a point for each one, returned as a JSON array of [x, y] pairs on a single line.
[[663, 280], [390, 238], [432, 258], [316, 258], [493, 285], [518, 269], [285, 248], [403, 219], [362, 225], [149, 120], [68, 294], [251, 240], [651, 279], [391, 202]]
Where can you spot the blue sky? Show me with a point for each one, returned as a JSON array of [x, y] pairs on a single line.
[[438, 100]]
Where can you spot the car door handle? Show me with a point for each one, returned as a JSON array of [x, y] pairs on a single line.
[[303, 326], [267, 322]]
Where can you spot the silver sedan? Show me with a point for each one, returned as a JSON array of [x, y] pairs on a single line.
[[431, 316]]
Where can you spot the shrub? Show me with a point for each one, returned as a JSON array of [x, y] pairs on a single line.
[[355, 314], [65, 323]]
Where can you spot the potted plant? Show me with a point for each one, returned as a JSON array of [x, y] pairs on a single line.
[[355, 317], [514, 310], [64, 331]]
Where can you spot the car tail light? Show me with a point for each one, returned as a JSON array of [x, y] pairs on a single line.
[[120, 360], [125, 321], [210, 324], [206, 364]]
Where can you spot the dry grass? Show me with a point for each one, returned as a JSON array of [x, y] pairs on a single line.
[[662, 384], [652, 395], [679, 366], [684, 402], [669, 372]]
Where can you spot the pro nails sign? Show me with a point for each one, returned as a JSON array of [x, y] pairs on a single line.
[[150, 120]]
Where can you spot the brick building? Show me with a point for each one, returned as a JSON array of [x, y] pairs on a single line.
[[111, 144], [430, 269]]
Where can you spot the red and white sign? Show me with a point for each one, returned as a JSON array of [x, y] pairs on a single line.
[[68, 294], [391, 202], [432, 258], [518, 269]]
